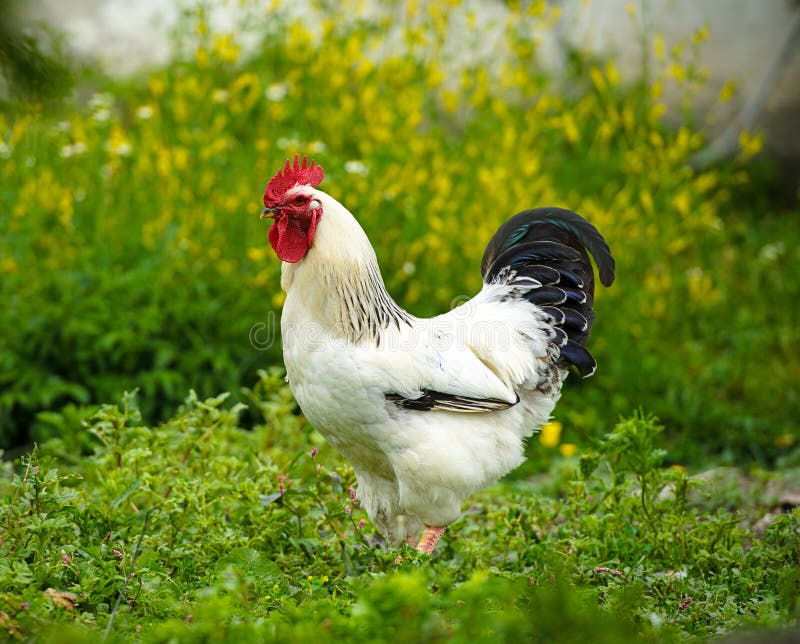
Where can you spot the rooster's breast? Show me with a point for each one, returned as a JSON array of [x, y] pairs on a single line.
[[328, 380]]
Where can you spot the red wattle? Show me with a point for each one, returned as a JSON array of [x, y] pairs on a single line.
[[289, 241]]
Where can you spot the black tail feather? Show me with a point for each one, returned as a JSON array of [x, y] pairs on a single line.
[[574, 278], [547, 295], [552, 246], [522, 254], [575, 320], [575, 354], [543, 274], [551, 224]]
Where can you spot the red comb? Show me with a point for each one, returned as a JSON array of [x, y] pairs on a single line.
[[289, 176]]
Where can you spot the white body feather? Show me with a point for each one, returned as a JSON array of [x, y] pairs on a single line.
[[413, 467]]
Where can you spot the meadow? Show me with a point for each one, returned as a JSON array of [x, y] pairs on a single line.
[[138, 286]]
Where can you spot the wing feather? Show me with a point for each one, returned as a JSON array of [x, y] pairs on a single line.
[[477, 357], [440, 401]]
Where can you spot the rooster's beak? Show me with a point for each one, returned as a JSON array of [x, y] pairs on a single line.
[[269, 213]]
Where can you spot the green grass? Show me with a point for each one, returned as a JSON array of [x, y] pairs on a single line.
[[208, 531]]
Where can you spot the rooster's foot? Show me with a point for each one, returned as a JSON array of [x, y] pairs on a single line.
[[430, 537]]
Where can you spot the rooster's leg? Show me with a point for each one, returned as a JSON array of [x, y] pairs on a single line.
[[430, 537]]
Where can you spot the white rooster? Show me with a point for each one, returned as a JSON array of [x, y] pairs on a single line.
[[428, 410]]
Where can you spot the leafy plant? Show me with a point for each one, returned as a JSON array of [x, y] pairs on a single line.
[[198, 529]]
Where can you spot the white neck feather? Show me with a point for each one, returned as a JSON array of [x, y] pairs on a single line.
[[339, 282]]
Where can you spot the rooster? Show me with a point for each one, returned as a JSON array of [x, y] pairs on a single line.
[[428, 411]]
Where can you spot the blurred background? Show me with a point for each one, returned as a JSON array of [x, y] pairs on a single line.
[[136, 139]]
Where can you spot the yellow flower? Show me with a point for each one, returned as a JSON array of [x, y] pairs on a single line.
[[570, 128], [8, 265], [449, 101], [118, 143], [707, 181], [677, 72], [700, 285], [202, 57], [727, 91], [682, 202], [677, 245], [156, 85], [568, 449], [65, 209], [537, 8], [435, 76], [658, 47], [612, 74], [700, 36], [751, 145], [657, 110], [647, 201], [597, 78], [225, 49], [550, 434], [180, 157], [679, 468], [656, 89], [257, 253]]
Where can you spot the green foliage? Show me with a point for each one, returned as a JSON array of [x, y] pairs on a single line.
[[132, 254], [29, 71], [202, 531]]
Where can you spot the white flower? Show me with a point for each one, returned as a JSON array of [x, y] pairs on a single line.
[[5, 150], [771, 252], [317, 147], [356, 167], [144, 112], [101, 105], [102, 115], [276, 92], [409, 268], [72, 150], [101, 100], [120, 148], [284, 143], [694, 273], [219, 96]]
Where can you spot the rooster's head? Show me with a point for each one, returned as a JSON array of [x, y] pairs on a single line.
[[290, 201]]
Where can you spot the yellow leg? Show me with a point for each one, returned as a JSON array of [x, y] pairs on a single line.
[[430, 537]]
